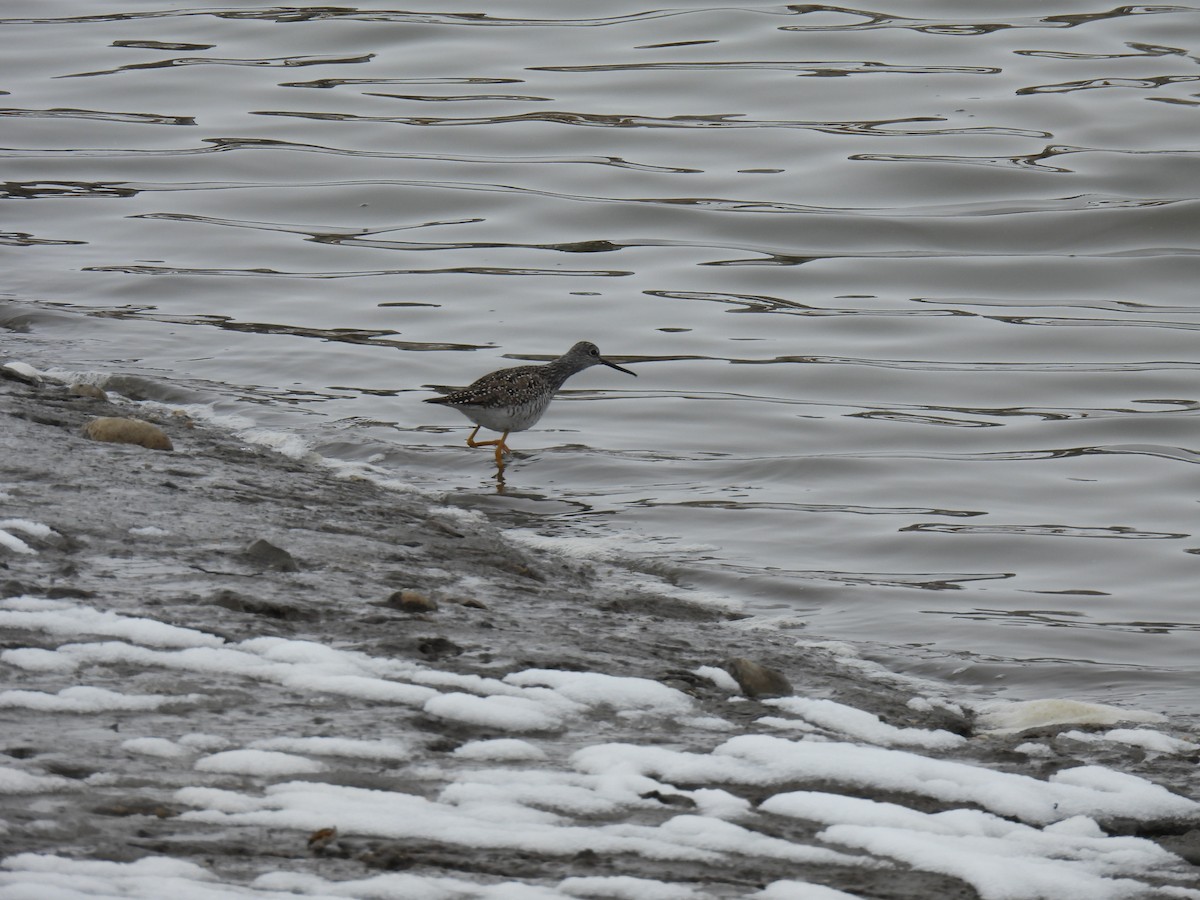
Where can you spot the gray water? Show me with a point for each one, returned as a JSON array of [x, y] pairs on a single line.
[[911, 290]]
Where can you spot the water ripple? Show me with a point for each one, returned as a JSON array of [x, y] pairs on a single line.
[[867, 20], [265, 272], [100, 115], [813, 508], [279, 62], [1123, 532], [1097, 83], [811, 69], [1140, 50], [1032, 161], [879, 127], [223, 145]]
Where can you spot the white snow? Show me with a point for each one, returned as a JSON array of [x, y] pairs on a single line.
[[1010, 836], [1147, 739], [500, 749], [257, 762], [152, 746], [14, 781], [594, 689], [860, 724], [625, 887], [84, 699], [719, 677], [385, 749], [34, 529], [63, 618], [766, 760], [14, 543], [800, 890], [149, 531]]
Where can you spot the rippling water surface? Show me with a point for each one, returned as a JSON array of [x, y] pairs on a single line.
[[911, 289]]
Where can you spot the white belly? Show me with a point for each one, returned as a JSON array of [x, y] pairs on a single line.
[[518, 419]]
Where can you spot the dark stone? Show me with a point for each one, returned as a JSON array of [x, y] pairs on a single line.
[[236, 602], [137, 806], [267, 554], [411, 602], [757, 681], [670, 799], [437, 647]]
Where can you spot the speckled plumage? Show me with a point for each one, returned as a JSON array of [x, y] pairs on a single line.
[[514, 399]]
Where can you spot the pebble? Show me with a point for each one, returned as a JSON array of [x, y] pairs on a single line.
[[19, 371], [127, 431], [267, 554], [411, 602], [757, 681], [88, 390]]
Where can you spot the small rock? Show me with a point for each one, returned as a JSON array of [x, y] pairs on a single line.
[[757, 681], [669, 799], [320, 839], [137, 806], [12, 588], [267, 554], [472, 603], [127, 431], [411, 602], [19, 371], [88, 390], [236, 602], [437, 647], [68, 768]]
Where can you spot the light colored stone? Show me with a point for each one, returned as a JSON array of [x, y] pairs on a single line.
[[88, 390], [411, 602], [757, 681], [127, 431], [19, 371]]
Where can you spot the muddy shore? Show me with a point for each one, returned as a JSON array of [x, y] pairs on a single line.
[[243, 543]]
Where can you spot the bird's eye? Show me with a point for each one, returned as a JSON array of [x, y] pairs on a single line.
[[594, 351]]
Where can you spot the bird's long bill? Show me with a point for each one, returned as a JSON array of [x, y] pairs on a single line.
[[613, 365]]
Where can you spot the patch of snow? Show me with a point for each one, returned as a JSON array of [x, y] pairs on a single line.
[[801, 890], [766, 760], [149, 531], [1147, 739], [719, 677], [84, 699], [594, 689], [15, 781], [500, 749], [257, 762], [625, 887], [330, 746], [51, 617], [152, 746], [504, 713], [861, 725], [34, 529], [15, 544]]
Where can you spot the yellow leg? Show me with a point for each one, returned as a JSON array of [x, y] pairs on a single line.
[[501, 447]]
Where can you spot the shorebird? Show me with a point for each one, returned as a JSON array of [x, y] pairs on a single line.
[[509, 400]]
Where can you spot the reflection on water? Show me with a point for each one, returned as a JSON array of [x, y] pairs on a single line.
[[912, 295]]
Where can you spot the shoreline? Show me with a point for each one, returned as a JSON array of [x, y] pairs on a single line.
[[230, 608]]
